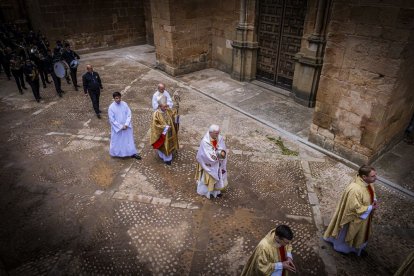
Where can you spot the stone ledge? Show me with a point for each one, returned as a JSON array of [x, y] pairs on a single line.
[[161, 201], [181, 204], [313, 199], [119, 195], [143, 198]]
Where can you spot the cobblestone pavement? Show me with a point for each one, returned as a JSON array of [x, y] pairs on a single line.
[[69, 209]]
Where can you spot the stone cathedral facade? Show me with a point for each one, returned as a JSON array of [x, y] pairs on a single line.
[[352, 61]]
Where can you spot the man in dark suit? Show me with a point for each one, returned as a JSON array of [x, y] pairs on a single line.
[[92, 85]]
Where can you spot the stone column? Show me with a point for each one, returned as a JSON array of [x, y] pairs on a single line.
[[310, 59], [182, 35], [245, 45]]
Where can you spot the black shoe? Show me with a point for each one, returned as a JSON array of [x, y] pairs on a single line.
[[21, 92], [98, 115], [76, 88], [136, 156], [219, 195], [44, 85], [24, 87], [168, 163], [364, 253], [38, 100], [61, 91], [60, 95]]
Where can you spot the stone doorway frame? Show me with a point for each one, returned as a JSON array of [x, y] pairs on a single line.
[[278, 46], [309, 59]]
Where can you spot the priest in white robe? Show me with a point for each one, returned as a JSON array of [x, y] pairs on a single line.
[[122, 137], [157, 95], [211, 171]]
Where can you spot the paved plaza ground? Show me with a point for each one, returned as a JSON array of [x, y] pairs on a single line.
[[68, 208]]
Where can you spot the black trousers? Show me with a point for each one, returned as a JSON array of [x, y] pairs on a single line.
[[73, 72], [18, 77], [6, 67], [35, 88], [43, 76], [57, 83], [95, 94]]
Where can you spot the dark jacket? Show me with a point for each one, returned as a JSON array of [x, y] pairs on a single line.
[[68, 56], [91, 82]]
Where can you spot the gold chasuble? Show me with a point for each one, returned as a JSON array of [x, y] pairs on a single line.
[[207, 178], [169, 142], [354, 202], [267, 253]]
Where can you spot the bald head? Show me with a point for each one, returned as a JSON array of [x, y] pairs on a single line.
[[161, 87], [89, 68]]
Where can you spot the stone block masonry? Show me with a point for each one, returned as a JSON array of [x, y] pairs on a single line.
[[90, 24], [364, 101]]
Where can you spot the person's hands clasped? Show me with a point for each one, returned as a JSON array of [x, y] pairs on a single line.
[[289, 265]]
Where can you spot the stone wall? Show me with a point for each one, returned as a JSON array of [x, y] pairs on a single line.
[[365, 98], [223, 32], [90, 24], [10, 11], [182, 35], [148, 23]]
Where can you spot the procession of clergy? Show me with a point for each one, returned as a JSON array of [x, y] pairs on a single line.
[[211, 173], [348, 231]]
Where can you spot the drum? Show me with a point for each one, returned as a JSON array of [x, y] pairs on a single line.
[[74, 64], [61, 69]]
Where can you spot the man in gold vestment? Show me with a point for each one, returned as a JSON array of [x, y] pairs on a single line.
[[273, 254], [211, 170], [163, 133], [350, 225]]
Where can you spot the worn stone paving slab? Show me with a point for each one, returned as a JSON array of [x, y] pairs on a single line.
[[77, 211]]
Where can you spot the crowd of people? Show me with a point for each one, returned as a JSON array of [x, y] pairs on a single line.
[[350, 226], [28, 58]]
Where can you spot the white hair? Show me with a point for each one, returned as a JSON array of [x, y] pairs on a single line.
[[214, 128], [162, 100]]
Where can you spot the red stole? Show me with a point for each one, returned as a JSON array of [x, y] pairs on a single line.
[[214, 143], [371, 194], [159, 142], [283, 257]]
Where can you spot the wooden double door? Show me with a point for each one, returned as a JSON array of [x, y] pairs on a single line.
[[279, 32]]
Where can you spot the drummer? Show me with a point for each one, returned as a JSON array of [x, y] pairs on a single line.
[[71, 58], [49, 67]]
